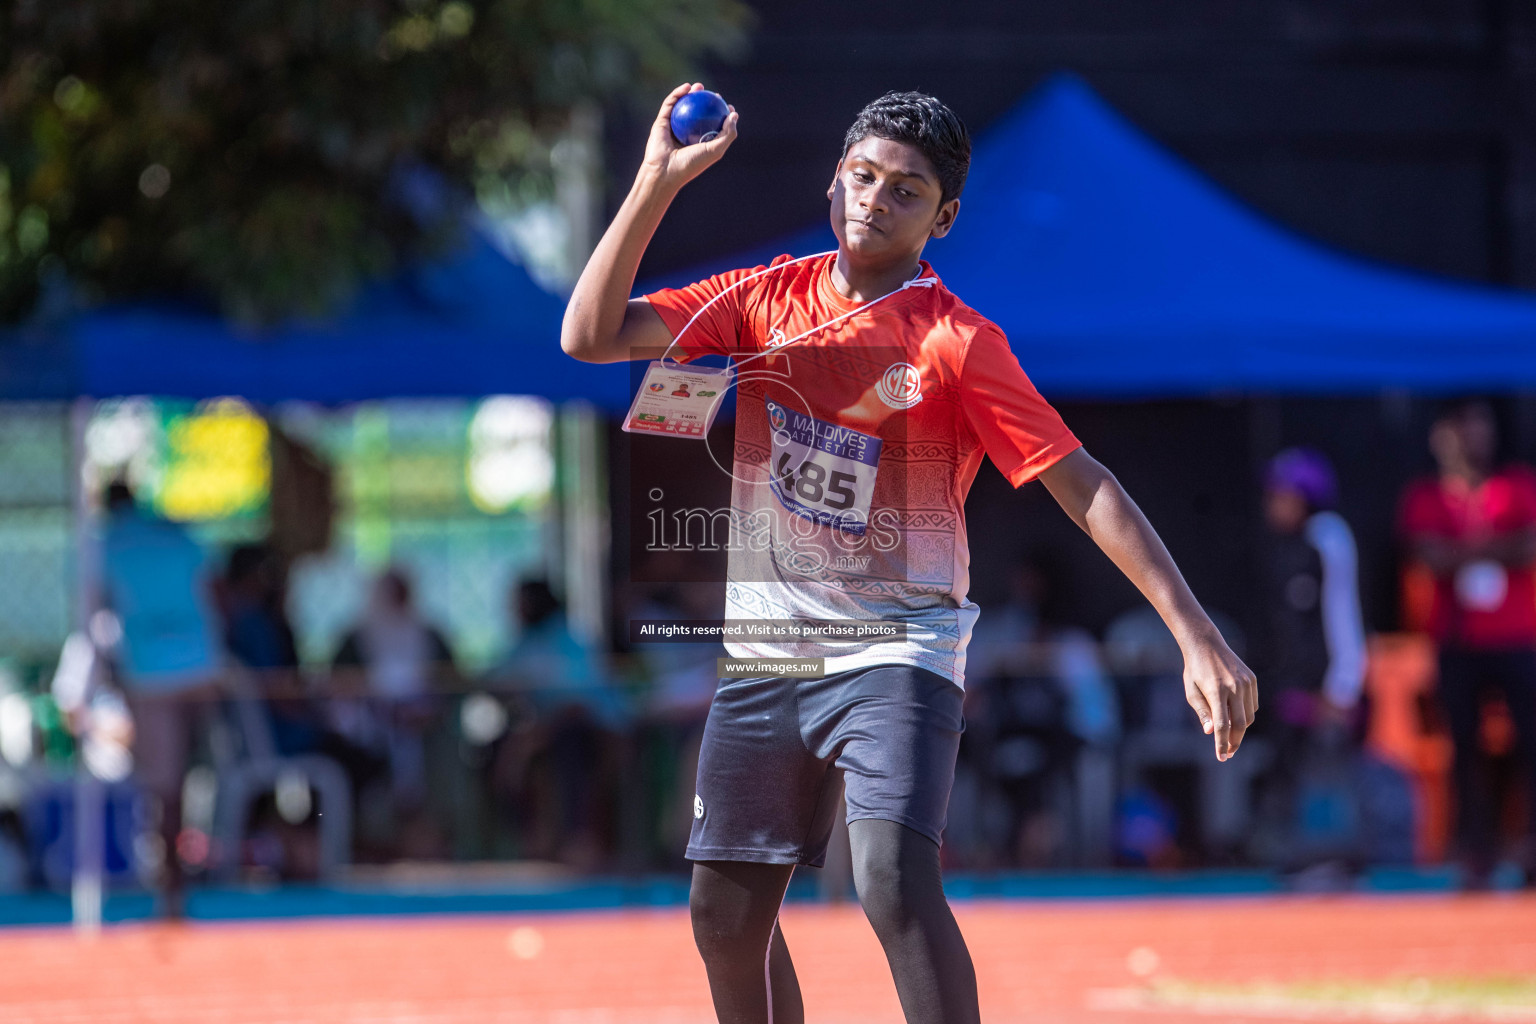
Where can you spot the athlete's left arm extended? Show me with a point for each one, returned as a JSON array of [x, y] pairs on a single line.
[[1221, 689]]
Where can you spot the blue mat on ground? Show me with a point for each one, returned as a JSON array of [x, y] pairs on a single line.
[[302, 901]]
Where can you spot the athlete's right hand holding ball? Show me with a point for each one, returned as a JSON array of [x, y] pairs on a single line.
[[672, 165], [602, 323]]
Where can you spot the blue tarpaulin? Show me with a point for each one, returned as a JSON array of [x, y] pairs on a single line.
[[470, 324], [1119, 271]]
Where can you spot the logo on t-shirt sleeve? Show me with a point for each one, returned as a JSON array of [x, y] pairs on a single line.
[[899, 386]]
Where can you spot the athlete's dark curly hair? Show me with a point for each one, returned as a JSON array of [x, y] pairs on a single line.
[[924, 122]]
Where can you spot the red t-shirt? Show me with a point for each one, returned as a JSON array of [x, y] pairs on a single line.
[[1484, 605], [926, 385]]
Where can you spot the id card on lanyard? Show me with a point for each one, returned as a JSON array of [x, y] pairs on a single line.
[[678, 401]]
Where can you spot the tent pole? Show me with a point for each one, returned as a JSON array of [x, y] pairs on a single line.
[[584, 522], [90, 834]]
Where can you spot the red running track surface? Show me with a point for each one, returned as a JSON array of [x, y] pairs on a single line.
[[1044, 963]]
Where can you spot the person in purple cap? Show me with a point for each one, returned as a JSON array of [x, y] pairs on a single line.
[[1315, 637]]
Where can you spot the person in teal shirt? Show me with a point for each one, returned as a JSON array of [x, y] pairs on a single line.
[[156, 579]]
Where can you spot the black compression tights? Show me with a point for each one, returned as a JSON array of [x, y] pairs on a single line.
[[735, 908]]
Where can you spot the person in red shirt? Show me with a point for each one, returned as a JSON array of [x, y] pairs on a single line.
[[1473, 527], [873, 394]]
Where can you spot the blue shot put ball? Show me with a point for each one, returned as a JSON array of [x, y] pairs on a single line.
[[698, 117]]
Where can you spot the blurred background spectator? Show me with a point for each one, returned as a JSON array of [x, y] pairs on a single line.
[[390, 675], [1173, 810], [1041, 712], [257, 635], [1471, 529], [1313, 658], [562, 766], [678, 682], [157, 582]]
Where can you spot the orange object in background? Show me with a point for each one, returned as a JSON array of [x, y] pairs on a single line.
[[1406, 730], [1401, 681]]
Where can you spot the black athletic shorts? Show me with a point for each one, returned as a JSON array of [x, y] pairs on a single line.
[[778, 752]]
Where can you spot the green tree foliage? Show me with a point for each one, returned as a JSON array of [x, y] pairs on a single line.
[[242, 148]]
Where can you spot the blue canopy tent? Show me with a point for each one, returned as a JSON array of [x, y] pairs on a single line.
[[1118, 271], [1115, 269], [472, 323]]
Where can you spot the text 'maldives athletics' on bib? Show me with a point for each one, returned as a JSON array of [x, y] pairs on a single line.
[[855, 448]]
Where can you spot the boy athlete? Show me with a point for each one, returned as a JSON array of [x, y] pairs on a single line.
[[872, 395]]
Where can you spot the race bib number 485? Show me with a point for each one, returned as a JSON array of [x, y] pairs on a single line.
[[822, 471]]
